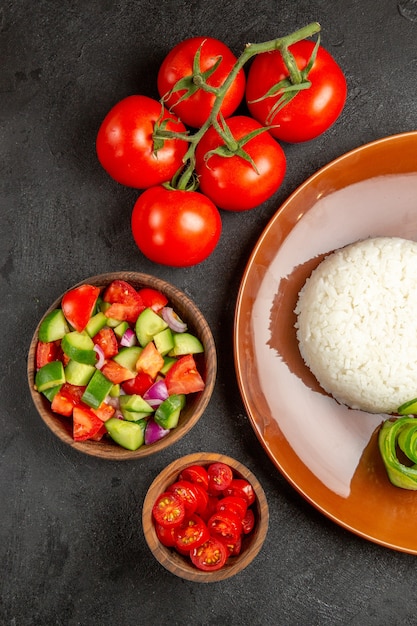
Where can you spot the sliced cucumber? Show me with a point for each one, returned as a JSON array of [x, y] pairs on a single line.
[[54, 326], [97, 390], [129, 435], [134, 403], [96, 323], [186, 343], [148, 325], [168, 413], [127, 357], [79, 347], [164, 341], [49, 376], [78, 373]]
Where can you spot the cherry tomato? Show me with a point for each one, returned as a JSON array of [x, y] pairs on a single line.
[[78, 305], [177, 228], [210, 556], [233, 503], [178, 66], [184, 377], [248, 522], [168, 509], [225, 525], [195, 474], [165, 535], [185, 492], [312, 111], [242, 488], [220, 476], [125, 145], [232, 182], [192, 533]]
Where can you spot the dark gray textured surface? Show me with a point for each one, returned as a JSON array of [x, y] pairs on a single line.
[[71, 547]]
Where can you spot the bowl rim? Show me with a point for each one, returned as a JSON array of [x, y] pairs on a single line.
[[113, 451], [173, 561]]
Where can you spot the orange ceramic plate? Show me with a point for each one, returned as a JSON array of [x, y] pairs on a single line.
[[326, 451]]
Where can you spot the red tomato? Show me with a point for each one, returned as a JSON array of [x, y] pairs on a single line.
[[311, 111], [166, 535], [116, 373], [195, 474], [220, 476], [233, 503], [47, 351], [179, 66], [185, 491], [242, 488], [138, 385], [248, 522], [183, 376], [232, 182], [152, 298], [125, 145], [125, 302], [72, 392], [168, 509], [225, 525], [192, 533], [85, 423], [173, 227], [78, 305], [150, 361], [104, 411], [210, 556], [61, 405], [107, 340]]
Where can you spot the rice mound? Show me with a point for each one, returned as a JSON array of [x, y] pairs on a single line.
[[357, 324]]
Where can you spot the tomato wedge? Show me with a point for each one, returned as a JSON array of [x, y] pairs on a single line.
[[152, 298], [138, 385], [47, 351], [107, 340], [183, 376], [210, 556], [116, 373], [78, 305], [125, 302], [85, 423], [168, 510]]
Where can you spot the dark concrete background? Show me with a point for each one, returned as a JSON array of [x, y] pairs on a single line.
[[71, 546]]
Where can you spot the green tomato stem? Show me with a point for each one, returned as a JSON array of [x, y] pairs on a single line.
[[182, 179]]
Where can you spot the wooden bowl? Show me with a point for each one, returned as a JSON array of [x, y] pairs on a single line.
[[181, 565], [196, 403]]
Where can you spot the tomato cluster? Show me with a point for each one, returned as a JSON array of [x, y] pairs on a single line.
[[205, 514], [194, 155]]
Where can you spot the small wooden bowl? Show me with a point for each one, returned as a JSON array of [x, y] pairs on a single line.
[[180, 565], [196, 403]]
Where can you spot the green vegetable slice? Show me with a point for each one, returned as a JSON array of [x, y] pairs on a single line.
[[400, 434]]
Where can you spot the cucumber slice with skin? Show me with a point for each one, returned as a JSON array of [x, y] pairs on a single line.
[[186, 343], [148, 325], [168, 412], [97, 390], [129, 435], [164, 341], [54, 326], [79, 347], [50, 375], [96, 323], [78, 373], [127, 357], [134, 403]]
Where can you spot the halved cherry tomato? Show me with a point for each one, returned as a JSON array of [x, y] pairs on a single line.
[[106, 339], [202, 497], [191, 533], [233, 503], [225, 525], [78, 305], [152, 298], [125, 302], [220, 476], [184, 377], [234, 547], [47, 351], [248, 522], [85, 423], [168, 509], [243, 488], [166, 535], [196, 474], [138, 385], [186, 492], [116, 373], [210, 556]]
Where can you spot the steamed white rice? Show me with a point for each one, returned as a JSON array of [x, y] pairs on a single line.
[[357, 324]]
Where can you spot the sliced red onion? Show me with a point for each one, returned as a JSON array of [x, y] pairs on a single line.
[[101, 359], [154, 432], [113, 401], [156, 393], [128, 339], [174, 322]]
